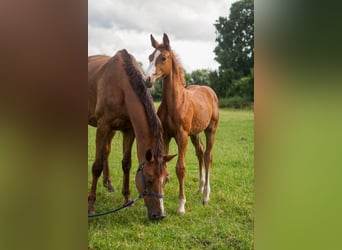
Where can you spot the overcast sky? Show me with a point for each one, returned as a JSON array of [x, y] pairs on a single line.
[[118, 24]]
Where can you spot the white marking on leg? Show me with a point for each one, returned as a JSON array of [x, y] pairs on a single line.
[[206, 191], [181, 208], [201, 181]]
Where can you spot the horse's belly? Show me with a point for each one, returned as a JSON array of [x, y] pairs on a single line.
[[120, 124]]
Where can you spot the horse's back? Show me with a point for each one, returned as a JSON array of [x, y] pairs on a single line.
[[108, 84], [204, 106], [97, 73], [205, 96]]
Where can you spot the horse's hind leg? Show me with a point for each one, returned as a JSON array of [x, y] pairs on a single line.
[[103, 138], [208, 158], [106, 178], [128, 138], [196, 141]]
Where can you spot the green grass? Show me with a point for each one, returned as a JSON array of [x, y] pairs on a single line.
[[227, 222]]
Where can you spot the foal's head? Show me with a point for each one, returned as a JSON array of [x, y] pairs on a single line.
[[160, 61], [150, 180]]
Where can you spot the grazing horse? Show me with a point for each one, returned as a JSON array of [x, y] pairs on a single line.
[[184, 112], [119, 100]]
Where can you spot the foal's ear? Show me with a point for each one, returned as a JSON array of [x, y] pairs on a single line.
[[148, 155], [166, 41], [168, 158], [154, 43]]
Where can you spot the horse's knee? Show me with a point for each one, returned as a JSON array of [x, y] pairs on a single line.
[[126, 165], [180, 171], [96, 169]]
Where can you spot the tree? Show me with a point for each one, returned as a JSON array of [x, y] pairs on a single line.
[[200, 77], [235, 38]]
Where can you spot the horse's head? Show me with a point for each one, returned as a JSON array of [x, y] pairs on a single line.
[[160, 61], [150, 180]]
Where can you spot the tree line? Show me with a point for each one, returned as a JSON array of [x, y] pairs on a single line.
[[233, 82]]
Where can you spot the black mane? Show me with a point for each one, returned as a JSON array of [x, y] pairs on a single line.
[[137, 82]]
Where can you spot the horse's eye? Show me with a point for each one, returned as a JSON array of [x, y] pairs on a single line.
[[149, 182], [163, 58]]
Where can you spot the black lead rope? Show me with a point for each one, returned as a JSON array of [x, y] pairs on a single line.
[[145, 192], [117, 209]]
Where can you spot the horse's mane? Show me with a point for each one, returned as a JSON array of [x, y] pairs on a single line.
[[138, 84], [178, 68]]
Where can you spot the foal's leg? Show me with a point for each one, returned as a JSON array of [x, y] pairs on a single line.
[[208, 158], [106, 178], [182, 142], [103, 138], [128, 138], [166, 139], [196, 141]]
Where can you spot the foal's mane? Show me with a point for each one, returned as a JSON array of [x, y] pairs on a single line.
[[138, 84], [177, 67]]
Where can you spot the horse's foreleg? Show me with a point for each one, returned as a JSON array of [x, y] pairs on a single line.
[[103, 137], [208, 158], [196, 141], [182, 141], [128, 138], [106, 178]]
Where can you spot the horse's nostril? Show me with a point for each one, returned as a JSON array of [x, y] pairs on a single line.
[[157, 217]]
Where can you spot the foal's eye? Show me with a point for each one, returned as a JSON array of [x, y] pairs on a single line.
[[149, 182], [163, 58]]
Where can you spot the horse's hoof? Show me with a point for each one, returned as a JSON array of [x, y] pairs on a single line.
[[109, 186], [91, 212], [181, 212], [205, 202]]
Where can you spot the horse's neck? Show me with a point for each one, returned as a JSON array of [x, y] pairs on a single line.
[[143, 132], [173, 88]]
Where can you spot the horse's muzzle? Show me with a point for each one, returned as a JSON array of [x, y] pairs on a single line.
[[148, 82], [155, 216]]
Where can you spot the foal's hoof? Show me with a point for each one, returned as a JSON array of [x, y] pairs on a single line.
[[181, 211], [205, 202]]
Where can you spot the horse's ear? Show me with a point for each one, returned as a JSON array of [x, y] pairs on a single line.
[[168, 158], [166, 41], [148, 155], [154, 43]]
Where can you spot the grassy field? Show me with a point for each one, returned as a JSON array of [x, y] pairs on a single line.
[[227, 222]]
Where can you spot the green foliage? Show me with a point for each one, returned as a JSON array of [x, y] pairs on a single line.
[[200, 77], [235, 37], [227, 222], [157, 90], [235, 53], [236, 102]]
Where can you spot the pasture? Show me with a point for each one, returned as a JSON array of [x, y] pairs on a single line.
[[227, 222]]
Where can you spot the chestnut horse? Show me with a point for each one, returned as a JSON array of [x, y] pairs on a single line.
[[184, 112], [119, 100]]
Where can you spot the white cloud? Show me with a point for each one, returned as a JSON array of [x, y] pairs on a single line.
[[117, 24]]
